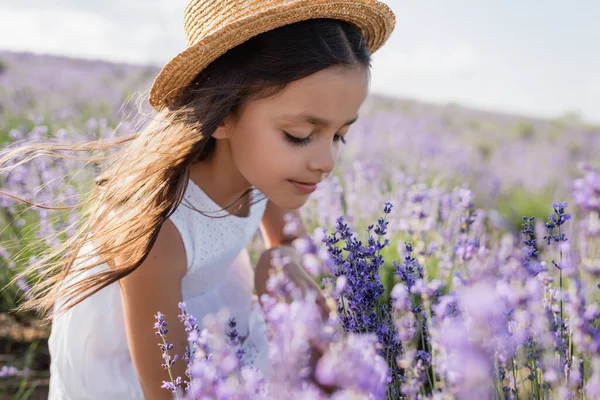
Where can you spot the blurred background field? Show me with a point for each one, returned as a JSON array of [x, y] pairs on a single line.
[[515, 165]]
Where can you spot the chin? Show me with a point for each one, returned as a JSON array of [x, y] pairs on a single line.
[[289, 202]]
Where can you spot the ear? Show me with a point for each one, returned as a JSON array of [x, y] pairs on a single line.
[[225, 128], [221, 133]]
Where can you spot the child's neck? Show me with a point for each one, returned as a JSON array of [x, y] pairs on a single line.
[[219, 178]]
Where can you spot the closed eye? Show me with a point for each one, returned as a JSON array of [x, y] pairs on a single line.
[[296, 141], [301, 142]]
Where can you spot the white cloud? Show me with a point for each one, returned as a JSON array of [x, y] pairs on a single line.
[[87, 34], [55, 31], [144, 35]]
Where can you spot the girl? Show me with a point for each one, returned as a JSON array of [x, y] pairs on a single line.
[[250, 118]]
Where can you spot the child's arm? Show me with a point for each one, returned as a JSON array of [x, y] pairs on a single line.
[[272, 225], [156, 286]]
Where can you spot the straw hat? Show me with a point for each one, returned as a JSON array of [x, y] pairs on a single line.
[[213, 27]]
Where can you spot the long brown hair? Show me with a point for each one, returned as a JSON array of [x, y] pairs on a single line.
[[143, 182]]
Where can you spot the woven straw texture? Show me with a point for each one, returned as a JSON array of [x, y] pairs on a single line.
[[213, 27]]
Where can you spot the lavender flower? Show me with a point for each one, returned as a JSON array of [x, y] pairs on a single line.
[[354, 365], [530, 261], [360, 308], [216, 371], [348, 365], [9, 371], [161, 330], [586, 193], [556, 220], [410, 270]]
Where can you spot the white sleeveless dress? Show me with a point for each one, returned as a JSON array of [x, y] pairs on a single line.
[[90, 357]]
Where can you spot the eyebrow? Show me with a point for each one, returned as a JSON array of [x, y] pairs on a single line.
[[311, 119]]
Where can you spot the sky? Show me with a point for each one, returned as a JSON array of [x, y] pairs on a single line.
[[536, 57]]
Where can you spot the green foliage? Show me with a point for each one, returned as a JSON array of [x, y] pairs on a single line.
[[486, 150], [516, 202], [525, 131]]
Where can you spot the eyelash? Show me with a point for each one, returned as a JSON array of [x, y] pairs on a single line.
[[305, 141]]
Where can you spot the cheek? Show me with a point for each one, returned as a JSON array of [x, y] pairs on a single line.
[[262, 157]]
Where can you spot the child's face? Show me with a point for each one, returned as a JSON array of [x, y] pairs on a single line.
[[269, 160]]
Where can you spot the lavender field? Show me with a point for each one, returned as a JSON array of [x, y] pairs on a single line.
[[462, 247]]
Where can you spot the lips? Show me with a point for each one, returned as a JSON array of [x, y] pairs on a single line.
[[306, 183], [305, 187]]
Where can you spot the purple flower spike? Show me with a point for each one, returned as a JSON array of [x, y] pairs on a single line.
[[161, 324]]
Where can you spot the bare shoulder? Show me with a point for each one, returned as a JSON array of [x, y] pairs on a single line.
[[166, 261]]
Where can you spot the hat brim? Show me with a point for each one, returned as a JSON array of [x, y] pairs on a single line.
[[375, 20]]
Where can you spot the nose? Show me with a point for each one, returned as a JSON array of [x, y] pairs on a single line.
[[323, 158]]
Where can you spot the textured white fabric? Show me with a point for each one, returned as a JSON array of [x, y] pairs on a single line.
[[88, 345]]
